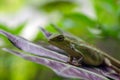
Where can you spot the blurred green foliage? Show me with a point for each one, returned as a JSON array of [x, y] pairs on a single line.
[[104, 32], [61, 6], [11, 5]]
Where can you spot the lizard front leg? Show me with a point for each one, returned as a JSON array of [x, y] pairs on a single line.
[[78, 62], [78, 58], [70, 59]]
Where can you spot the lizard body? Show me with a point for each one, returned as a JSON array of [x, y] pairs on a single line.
[[77, 49], [81, 52]]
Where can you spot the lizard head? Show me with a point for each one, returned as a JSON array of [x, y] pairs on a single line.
[[58, 40]]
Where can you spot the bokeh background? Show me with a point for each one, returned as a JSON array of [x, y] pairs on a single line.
[[95, 21]]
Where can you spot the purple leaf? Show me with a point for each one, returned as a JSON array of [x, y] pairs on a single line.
[[61, 68], [103, 70], [51, 47], [56, 58], [28, 46]]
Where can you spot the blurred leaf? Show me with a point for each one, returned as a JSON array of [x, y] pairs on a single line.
[[10, 5], [16, 30], [57, 5], [106, 11], [80, 19], [4, 27], [19, 28], [110, 32]]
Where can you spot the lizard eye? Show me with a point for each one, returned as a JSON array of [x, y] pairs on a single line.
[[60, 38]]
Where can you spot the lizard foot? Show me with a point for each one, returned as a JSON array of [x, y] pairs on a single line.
[[76, 64]]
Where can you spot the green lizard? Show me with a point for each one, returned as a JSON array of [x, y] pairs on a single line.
[[80, 51]]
